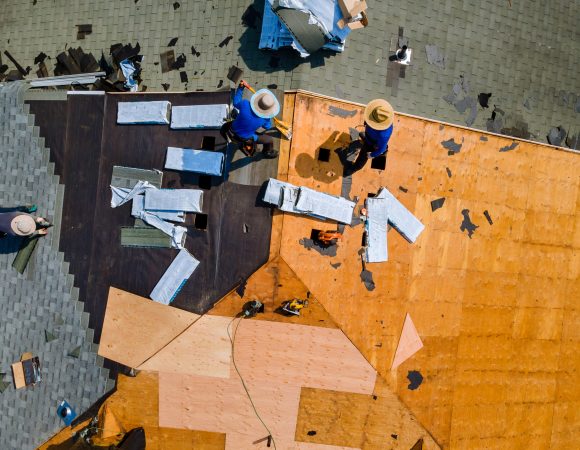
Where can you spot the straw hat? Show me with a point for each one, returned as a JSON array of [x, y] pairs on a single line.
[[265, 104], [379, 114], [23, 225]]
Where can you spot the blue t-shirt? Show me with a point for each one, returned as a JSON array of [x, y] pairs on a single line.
[[378, 139], [247, 122]]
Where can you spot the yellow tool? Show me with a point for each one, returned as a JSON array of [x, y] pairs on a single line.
[[294, 306], [282, 127]]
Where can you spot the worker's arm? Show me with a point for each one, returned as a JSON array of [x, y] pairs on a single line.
[[381, 143], [265, 126], [238, 96]]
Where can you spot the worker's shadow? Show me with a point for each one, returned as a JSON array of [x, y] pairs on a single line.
[[10, 244], [326, 166]]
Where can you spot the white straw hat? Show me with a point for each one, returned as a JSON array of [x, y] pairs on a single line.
[[265, 104], [23, 225]]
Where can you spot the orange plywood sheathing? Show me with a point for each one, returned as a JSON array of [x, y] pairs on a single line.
[[109, 425], [358, 421], [488, 307], [273, 284], [409, 343], [135, 328]]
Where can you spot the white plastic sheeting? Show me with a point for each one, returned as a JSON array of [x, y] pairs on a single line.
[[138, 206], [303, 200], [382, 210], [187, 200], [121, 196], [199, 161], [198, 116], [174, 277], [376, 227], [156, 112]]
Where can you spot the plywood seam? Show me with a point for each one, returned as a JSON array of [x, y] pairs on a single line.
[[172, 340]]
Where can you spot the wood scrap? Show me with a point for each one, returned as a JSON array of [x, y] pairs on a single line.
[[20, 69]]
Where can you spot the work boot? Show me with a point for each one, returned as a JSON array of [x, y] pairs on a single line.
[[28, 208], [248, 149], [270, 153]]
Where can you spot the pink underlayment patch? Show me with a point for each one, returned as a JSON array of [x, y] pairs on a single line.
[[409, 343]]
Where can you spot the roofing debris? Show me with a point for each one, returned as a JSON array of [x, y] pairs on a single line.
[[436, 204], [310, 25], [556, 135], [451, 146], [483, 99], [510, 147], [84, 30], [435, 56], [467, 224], [488, 217]]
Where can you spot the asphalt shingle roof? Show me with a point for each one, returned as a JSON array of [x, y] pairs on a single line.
[[39, 310]]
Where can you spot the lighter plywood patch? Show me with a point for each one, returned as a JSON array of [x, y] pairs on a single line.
[[301, 355], [135, 328], [203, 349], [148, 336], [409, 343], [220, 405]]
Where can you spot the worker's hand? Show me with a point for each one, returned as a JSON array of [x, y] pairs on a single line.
[[42, 231], [244, 84]]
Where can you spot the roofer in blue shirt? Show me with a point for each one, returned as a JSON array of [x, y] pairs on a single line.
[[379, 116], [254, 117]]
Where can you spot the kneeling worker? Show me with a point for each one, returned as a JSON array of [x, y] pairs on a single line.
[[379, 116], [255, 114], [22, 224]]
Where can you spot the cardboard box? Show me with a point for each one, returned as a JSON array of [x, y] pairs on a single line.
[[359, 23], [26, 372], [355, 24], [352, 8]]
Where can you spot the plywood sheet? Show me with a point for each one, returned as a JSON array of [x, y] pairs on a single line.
[[484, 304], [220, 405], [301, 355], [143, 334], [203, 349], [358, 421], [136, 328]]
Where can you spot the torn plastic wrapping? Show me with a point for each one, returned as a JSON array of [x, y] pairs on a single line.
[[323, 13], [129, 70]]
